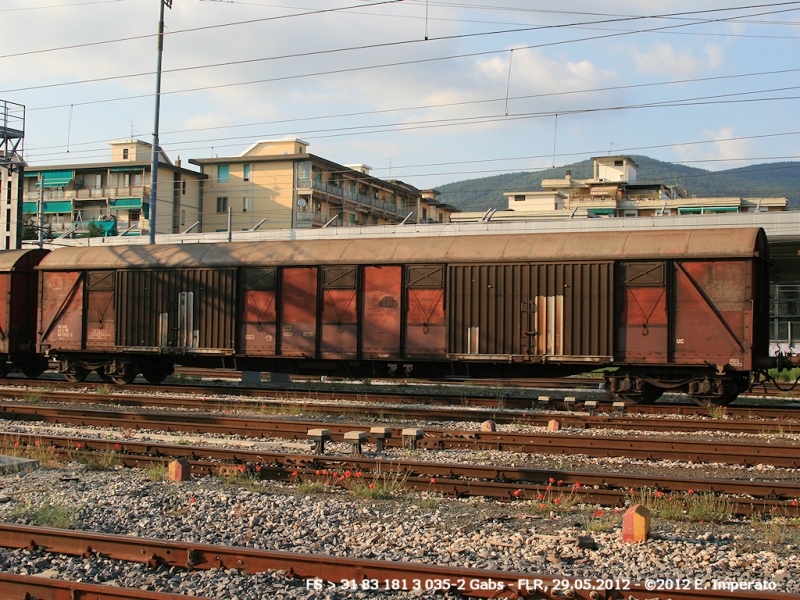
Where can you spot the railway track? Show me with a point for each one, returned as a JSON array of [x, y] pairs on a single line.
[[450, 479], [540, 415], [650, 448], [343, 572], [493, 399]]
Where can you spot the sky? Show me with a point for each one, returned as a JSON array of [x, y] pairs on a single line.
[[426, 92]]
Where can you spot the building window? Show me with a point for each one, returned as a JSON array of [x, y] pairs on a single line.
[[245, 204], [134, 216], [183, 217], [519, 198], [124, 154], [246, 175], [618, 163], [222, 204], [441, 218], [424, 214], [223, 173], [183, 187]]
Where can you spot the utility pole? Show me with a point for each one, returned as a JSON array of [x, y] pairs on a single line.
[[40, 212], [154, 166]]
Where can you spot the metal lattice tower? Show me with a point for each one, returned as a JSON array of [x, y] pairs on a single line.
[[12, 132]]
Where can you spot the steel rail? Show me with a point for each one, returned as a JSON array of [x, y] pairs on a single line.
[[337, 569], [618, 421], [451, 479], [31, 587], [777, 454], [278, 394]]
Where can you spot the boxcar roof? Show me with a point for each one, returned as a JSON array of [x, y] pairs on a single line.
[[546, 247], [18, 260]]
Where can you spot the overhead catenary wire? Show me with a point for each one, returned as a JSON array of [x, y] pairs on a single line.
[[355, 69]]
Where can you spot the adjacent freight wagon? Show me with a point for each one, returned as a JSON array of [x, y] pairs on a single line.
[[668, 309], [18, 294]]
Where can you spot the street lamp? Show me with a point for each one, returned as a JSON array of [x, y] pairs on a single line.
[[154, 167]]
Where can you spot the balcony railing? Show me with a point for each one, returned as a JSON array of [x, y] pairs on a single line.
[[128, 191], [395, 209]]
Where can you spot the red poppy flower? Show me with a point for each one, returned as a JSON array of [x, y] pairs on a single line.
[[78, 446], [577, 485], [552, 480], [794, 502], [294, 473], [359, 473], [560, 481], [517, 492], [433, 480], [371, 485], [258, 468], [548, 488], [556, 501], [540, 497], [690, 492], [348, 473], [542, 505], [117, 447]]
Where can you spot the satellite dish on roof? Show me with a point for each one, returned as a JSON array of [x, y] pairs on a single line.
[[302, 203]]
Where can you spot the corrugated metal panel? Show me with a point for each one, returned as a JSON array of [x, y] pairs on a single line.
[[537, 310], [548, 247], [190, 309]]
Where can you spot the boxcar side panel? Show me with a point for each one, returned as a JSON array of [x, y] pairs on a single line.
[[259, 314], [100, 322], [61, 310], [339, 327], [381, 315], [425, 333], [299, 311], [713, 312], [5, 312]]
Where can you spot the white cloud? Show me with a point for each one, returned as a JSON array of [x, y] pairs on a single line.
[[663, 58], [722, 153]]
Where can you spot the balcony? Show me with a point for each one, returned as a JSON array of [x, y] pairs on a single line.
[[131, 191]]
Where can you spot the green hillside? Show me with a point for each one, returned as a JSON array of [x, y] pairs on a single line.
[[772, 179]]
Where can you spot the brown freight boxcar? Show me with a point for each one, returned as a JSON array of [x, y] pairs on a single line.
[[18, 292], [670, 309]]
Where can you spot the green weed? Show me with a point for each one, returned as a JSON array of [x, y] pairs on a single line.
[[157, 471], [59, 516]]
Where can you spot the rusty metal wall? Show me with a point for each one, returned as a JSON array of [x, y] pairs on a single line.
[[259, 314], [426, 328], [382, 312], [298, 312], [191, 309], [713, 312], [61, 310], [531, 309], [339, 326], [100, 324]]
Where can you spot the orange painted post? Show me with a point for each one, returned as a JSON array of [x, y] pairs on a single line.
[[636, 524]]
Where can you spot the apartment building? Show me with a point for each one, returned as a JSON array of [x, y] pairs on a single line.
[[278, 184], [114, 196], [614, 192]]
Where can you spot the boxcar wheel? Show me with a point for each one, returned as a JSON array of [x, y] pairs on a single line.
[[125, 375], [102, 375], [33, 369], [80, 374], [648, 395], [155, 376]]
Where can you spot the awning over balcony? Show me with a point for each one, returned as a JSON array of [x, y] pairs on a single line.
[[602, 211], [125, 203], [57, 178], [125, 169], [49, 208], [696, 210]]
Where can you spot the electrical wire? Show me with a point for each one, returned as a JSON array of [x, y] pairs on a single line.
[[369, 67]]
